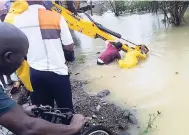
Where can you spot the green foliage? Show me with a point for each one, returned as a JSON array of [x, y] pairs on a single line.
[[120, 6], [80, 59], [150, 124], [130, 6], [175, 8]]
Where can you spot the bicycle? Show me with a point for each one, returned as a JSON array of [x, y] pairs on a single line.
[[64, 116]]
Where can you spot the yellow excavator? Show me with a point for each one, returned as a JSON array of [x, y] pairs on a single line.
[[75, 22]]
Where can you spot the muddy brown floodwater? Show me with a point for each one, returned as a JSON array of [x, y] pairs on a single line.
[[160, 83]]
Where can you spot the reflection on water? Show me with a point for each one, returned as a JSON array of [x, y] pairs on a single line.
[[158, 83]]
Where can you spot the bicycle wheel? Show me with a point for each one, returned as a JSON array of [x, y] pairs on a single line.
[[97, 130]]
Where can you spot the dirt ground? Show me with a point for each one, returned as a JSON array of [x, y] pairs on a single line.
[[101, 112], [96, 109]]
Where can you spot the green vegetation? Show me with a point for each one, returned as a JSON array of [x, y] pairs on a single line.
[[131, 6], [80, 59], [176, 9], [150, 123]]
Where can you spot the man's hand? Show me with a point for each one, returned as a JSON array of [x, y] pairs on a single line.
[[28, 110], [78, 121], [69, 55]]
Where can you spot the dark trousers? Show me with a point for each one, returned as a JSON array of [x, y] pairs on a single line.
[[49, 86]]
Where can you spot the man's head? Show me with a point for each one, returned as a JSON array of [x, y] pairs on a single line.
[[13, 48], [118, 45], [144, 49]]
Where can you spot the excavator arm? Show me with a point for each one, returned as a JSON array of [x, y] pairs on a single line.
[[75, 22], [89, 28]]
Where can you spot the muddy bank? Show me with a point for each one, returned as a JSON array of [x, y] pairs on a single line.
[[99, 110], [96, 109]]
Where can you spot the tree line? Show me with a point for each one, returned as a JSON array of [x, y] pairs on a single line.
[[176, 9]]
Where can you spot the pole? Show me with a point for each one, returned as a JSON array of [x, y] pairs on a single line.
[[91, 7]]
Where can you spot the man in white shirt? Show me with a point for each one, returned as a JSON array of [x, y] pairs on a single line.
[[47, 31]]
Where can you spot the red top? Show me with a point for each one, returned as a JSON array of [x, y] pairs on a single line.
[[110, 54]]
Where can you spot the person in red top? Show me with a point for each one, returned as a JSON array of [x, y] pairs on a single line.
[[111, 53]]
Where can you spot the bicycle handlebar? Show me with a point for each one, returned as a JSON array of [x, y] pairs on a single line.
[[59, 117], [62, 115]]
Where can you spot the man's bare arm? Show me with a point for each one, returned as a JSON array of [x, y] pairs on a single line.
[[21, 124]]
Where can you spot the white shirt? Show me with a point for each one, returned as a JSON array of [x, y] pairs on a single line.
[[45, 44]]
